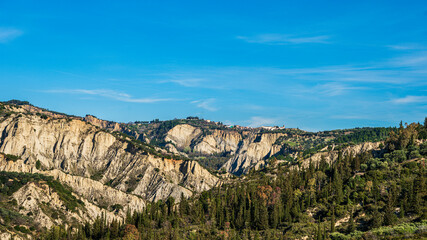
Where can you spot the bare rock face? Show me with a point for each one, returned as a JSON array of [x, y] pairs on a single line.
[[171, 148], [77, 148], [252, 153], [248, 149], [11, 236], [219, 142], [182, 135]]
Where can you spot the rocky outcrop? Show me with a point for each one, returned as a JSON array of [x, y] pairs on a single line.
[[92, 192], [42, 203], [182, 135], [78, 148], [253, 152], [97, 192], [185, 136], [219, 141], [12, 236], [41, 111], [247, 149], [112, 126]]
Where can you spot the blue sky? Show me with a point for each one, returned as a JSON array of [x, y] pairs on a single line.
[[303, 64]]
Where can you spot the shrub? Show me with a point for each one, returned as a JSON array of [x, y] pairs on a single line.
[[55, 215], [10, 157], [38, 165], [116, 207], [414, 154], [396, 156]]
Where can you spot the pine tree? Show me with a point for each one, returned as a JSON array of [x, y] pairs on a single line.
[[337, 186], [240, 221], [389, 216], [319, 231], [333, 220], [263, 217], [376, 219], [402, 210], [274, 216], [351, 225]]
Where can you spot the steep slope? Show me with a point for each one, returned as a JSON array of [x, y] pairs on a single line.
[[359, 191], [182, 135], [109, 125], [236, 149], [39, 202], [218, 147], [219, 142], [78, 148], [239, 149], [253, 152], [246, 149], [90, 190]]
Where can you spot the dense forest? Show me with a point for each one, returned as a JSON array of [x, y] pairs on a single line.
[[359, 196]]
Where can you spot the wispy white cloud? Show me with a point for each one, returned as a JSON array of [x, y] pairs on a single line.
[[8, 34], [410, 99], [330, 89], [253, 107], [283, 39], [416, 61], [257, 121], [404, 70], [408, 46], [336, 89], [206, 104], [119, 96], [187, 82], [351, 117]]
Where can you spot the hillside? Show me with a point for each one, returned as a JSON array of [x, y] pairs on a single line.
[[101, 168], [69, 177], [221, 148], [362, 192], [236, 149]]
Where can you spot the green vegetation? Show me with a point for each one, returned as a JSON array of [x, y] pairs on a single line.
[[12, 182], [360, 135], [10, 157], [135, 145], [13, 103], [38, 164], [18, 102], [415, 229], [97, 175], [373, 195], [308, 143], [66, 196], [11, 218], [355, 197], [156, 130], [116, 207]]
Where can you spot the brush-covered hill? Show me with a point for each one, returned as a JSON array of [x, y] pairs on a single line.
[[378, 193], [110, 171], [70, 177], [236, 149]]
